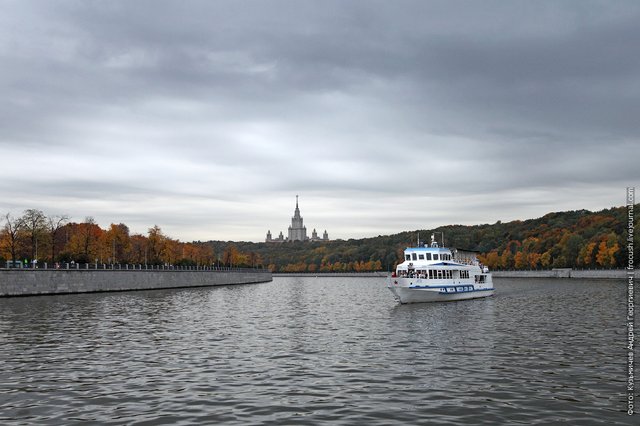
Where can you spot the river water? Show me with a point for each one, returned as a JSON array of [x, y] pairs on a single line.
[[309, 351]]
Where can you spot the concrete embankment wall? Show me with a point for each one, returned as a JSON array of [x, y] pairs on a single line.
[[552, 273], [30, 282], [567, 273], [332, 274]]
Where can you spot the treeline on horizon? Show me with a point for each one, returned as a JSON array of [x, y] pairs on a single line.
[[37, 236], [572, 239]]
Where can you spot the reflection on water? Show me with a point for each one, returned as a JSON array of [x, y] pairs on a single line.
[[316, 350]]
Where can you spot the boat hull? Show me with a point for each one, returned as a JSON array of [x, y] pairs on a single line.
[[409, 293]]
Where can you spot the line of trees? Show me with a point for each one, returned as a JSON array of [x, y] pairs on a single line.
[[571, 239], [579, 239], [37, 237]]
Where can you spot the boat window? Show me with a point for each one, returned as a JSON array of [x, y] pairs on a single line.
[[407, 257], [439, 274], [421, 256], [428, 256], [413, 256], [435, 257]]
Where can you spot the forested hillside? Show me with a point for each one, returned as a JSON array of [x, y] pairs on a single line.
[[580, 238]]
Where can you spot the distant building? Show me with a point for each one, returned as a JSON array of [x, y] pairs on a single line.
[[297, 231]]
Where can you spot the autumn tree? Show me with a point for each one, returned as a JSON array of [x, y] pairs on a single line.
[[607, 250], [254, 259], [138, 249], [506, 259], [198, 253], [54, 225], [207, 256], [491, 259], [533, 260], [231, 255], [545, 259], [83, 245], [173, 251], [155, 244], [11, 234], [587, 252], [34, 223], [117, 243], [519, 260]]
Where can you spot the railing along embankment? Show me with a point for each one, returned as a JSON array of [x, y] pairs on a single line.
[[40, 281]]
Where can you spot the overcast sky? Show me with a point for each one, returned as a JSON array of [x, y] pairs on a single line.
[[208, 117]]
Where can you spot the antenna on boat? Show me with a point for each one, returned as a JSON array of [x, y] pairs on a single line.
[[434, 243], [418, 240]]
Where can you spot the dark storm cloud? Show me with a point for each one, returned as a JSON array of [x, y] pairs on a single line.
[[250, 102]]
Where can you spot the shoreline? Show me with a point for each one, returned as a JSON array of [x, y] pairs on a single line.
[[608, 274], [333, 274], [37, 282], [605, 274]]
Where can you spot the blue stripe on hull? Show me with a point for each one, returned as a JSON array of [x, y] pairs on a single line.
[[448, 292], [409, 295]]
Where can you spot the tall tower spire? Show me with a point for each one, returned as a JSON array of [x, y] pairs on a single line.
[[297, 230], [296, 213]]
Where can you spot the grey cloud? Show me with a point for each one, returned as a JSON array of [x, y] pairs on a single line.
[[222, 100]]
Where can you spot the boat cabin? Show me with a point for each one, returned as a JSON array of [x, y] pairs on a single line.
[[427, 254]]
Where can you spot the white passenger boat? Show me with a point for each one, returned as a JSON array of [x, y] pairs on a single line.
[[433, 274]]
